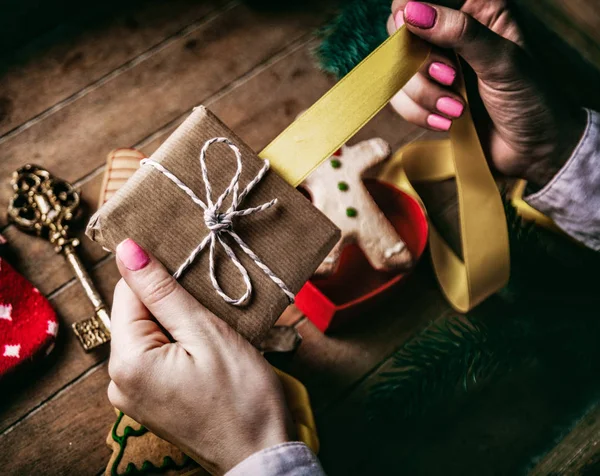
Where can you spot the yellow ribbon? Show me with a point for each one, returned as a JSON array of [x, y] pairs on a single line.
[[352, 102], [296, 397], [526, 211]]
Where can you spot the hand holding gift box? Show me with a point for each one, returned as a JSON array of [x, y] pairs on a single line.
[[278, 245]]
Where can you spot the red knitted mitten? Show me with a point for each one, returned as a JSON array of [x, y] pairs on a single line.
[[28, 324]]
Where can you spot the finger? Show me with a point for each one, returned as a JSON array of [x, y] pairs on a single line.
[[391, 25], [398, 5], [483, 49], [396, 19], [433, 97], [174, 308], [440, 66], [132, 326], [416, 114]]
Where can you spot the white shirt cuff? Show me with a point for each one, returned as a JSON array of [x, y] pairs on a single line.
[[572, 198], [286, 459]]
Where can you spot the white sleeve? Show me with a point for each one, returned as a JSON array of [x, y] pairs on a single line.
[[286, 459], [572, 198]]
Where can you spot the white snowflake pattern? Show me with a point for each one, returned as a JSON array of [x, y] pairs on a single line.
[[12, 350], [6, 311], [52, 328]]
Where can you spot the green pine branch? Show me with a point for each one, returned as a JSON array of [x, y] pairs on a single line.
[[358, 29]]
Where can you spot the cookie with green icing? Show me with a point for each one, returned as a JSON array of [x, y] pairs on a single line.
[[337, 189], [137, 451]]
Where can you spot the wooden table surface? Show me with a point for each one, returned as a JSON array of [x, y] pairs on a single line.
[[129, 80]]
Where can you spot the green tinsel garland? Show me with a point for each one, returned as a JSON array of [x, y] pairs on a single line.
[[352, 35], [531, 320]]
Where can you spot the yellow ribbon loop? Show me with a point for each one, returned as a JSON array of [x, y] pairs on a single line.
[[298, 402], [352, 102]]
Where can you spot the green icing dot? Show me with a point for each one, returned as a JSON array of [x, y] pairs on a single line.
[[351, 212], [336, 164], [343, 186]]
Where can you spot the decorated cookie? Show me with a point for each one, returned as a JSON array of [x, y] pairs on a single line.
[[120, 165], [337, 189], [139, 451]]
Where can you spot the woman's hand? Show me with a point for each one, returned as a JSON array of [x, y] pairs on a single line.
[[185, 374], [532, 130]]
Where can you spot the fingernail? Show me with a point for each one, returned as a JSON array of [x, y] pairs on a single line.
[[399, 18], [438, 122], [132, 255], [449, 106], [442, 73], [420, 15]]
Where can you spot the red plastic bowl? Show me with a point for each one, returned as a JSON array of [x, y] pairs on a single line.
[[356, 286]]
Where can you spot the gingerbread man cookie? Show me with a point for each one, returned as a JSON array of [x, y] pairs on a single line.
[[337, 189]]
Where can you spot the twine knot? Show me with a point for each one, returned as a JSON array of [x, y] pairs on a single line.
[[215, 221], [221, 223]]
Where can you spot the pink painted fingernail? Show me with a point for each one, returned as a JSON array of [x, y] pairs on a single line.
[[132, 255], [399, 18], [442, 73], [449, 106], [438, 122], [420, 15]]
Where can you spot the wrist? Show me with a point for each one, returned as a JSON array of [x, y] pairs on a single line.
[[249, 441], [549, 163]]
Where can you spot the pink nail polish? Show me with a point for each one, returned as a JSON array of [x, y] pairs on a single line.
[[449, 106], [442, 73], [420, 15], [399, 18], [132, 255], [438, 122]]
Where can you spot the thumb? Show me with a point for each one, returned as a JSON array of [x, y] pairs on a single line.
[[485, 51], [172, 306]]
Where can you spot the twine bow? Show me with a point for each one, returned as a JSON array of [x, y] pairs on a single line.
[[220, 223]]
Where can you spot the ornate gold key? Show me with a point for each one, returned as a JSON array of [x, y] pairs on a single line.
[[45, 206]]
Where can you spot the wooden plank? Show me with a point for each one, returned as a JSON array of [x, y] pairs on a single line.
[[74, 140], [68, 436], [564, 40], [578, 452], [84, 53], [576, 22]]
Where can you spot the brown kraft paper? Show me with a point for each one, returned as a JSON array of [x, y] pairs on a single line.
[[292, 237]]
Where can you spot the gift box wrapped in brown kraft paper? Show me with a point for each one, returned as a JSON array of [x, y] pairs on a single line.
[[164, 207]]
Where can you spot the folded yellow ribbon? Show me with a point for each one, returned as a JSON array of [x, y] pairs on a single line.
[[352, 102], [298, 402]]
